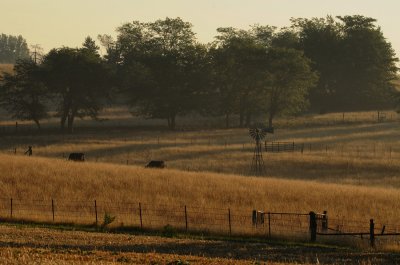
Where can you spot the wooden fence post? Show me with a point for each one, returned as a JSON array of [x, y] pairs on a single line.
[[186, 220], [95, 211], [313, 226], [229, 219], [52, 208], [11, 208], [140, 215], [269, 224], [372, 232], [325, 222]]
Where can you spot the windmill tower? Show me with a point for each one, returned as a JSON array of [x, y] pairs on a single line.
[[258, 133]]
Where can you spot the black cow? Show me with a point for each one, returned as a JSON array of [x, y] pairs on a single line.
[[156, 164], [77, 157]]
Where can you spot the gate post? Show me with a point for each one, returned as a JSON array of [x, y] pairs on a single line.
[[313, 227], [372, 232], [325, 222]]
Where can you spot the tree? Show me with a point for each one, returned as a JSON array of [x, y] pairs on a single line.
[[287, 82], [239, 63], [12, 48], [354, 61], [369, 64], [78, 81], [23, 94], [163, 68]]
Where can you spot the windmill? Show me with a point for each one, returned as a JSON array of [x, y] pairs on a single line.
[[258, 132]]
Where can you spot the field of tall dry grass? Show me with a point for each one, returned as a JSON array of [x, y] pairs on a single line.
[[360, 153], [348, 166]]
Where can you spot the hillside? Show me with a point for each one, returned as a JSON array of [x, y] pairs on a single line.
[[29, 178]]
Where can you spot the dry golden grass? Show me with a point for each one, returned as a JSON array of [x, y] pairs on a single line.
[[351, 170], [363, 154], [29, 179]]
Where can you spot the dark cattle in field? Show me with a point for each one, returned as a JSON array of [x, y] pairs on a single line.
[[156, 164], [76, 157]]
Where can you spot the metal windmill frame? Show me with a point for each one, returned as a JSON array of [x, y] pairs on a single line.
[[258, 133]]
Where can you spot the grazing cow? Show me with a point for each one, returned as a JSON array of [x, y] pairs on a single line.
[[156, 164], [77, 157]]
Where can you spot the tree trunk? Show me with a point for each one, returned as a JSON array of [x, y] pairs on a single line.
[[248, 119], [241, 118], [172, 122], [37, 124], [270, 118], [227, 120], [62, 123], [71, 118]]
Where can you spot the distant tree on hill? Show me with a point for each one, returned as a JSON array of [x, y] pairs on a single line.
[[23, 93], [13, 48]]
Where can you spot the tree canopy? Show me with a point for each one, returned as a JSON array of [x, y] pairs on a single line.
[[355, 62], [162, 68], [77, 80], [161, 71], [13, 48], [23, 94]]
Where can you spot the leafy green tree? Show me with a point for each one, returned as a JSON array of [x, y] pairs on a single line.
[[163, 69], [78, 81], [369, 64], [355, 62], [13, 48], [239, 65], [287, 82], [23, 94]]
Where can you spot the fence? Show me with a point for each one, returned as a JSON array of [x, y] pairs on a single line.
[[244, 222]]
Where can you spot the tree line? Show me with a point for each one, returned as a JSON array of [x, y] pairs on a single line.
[[162, 71]]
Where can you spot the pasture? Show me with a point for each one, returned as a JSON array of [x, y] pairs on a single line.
[[348, 165]]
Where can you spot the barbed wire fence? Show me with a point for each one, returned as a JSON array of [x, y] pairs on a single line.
[[310, 226]]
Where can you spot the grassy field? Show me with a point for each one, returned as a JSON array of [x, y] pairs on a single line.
[[359, 153], [349, 166]]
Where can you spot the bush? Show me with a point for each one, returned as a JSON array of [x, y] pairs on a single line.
[[169, 231], [108, 219]]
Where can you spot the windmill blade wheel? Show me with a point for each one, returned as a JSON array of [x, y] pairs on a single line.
[[258, 132]]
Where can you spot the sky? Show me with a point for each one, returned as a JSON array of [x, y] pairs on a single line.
[[57, 23]]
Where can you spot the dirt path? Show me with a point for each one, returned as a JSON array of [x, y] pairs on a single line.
[[105, 248]]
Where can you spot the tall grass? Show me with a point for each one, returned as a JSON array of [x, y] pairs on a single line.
[[31, 178], [360, 154]]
